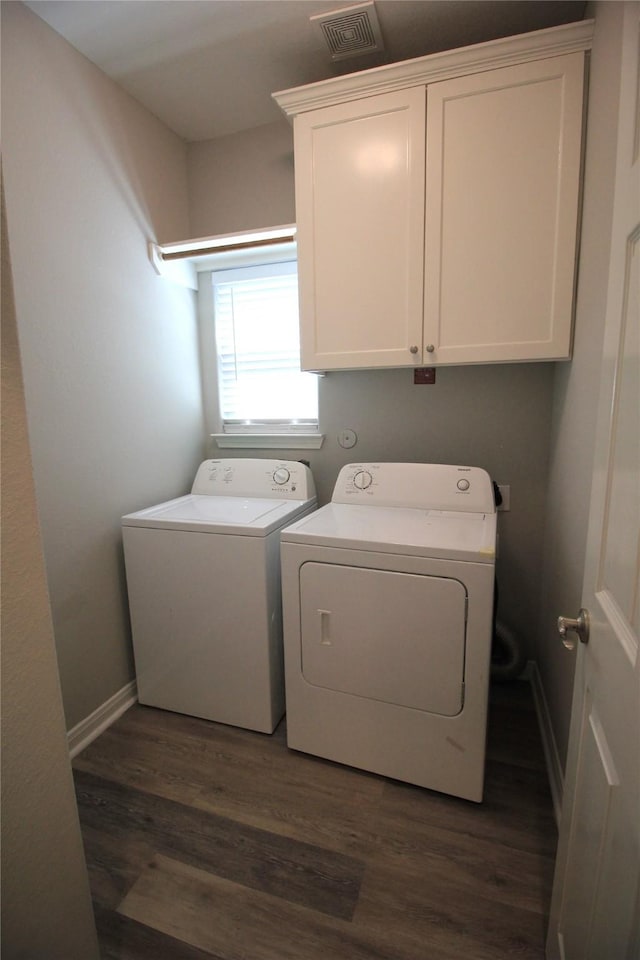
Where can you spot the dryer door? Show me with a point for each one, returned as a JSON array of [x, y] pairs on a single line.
[[384, 635]]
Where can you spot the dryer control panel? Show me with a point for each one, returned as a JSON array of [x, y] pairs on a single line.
[[431, 486], [254, 477]]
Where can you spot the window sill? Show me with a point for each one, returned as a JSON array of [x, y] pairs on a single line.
[[269, 441]]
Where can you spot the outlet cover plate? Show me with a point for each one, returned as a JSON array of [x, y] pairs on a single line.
[[505, 490]]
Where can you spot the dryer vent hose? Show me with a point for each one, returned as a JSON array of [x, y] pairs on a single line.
[[507, 656]]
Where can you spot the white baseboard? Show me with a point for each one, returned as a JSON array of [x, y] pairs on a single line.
[[92, 726], [552, 757]]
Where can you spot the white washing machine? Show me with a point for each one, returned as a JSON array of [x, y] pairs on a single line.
[[388, 608], [203, 574]]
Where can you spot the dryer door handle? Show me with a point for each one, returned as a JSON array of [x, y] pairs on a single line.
[[325, 627]]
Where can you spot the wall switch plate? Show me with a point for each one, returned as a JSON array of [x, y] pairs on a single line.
[[505, 491], [424, 375]]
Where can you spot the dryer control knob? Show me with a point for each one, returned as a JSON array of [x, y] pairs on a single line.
[[362, 480], [281, 475], [463, 484]]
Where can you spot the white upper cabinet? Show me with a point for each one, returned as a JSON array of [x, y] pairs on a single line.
[[437, 206], [503, 175], [360, 219]]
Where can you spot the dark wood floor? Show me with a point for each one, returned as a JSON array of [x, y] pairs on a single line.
[[205, 841]]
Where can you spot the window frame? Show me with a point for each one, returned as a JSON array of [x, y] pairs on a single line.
[[286, 435]]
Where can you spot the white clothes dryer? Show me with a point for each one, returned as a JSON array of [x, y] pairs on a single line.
[[388, 608], [203, 575]]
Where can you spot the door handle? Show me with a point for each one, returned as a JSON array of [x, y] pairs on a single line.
[[580, 626], [325, 627]]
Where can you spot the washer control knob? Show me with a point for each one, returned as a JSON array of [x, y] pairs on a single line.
[[463, 484], [281, 475], [362, 480]]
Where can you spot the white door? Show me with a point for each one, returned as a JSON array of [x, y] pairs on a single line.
[[595, 910]]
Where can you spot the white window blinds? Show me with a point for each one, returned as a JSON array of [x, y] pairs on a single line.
[[258, 347]]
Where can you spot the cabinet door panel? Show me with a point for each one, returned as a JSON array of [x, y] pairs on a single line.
[[360, 219], [503, 164]]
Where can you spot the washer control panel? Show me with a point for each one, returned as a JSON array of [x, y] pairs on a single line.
[[431, 486], [251, 477]]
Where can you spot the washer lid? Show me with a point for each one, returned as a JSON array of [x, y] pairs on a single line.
[[247, 516], [449, 535]]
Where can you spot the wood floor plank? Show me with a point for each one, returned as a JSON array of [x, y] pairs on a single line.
[[122, 938], [236, 923], [322, 879], [474, 868], [309, 799], [113, 863], [155, 750], [248, 777], [432, 908], [508, 817]]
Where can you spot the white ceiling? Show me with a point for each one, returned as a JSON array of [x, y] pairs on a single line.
[[207, 68]]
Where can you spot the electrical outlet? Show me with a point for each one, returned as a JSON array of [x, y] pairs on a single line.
[[505, 491]]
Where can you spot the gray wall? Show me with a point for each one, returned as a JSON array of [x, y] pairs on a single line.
[[576, 384], [242, 181], [46, 907], [109, 349]]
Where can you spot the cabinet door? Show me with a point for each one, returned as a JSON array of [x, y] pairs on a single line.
[[360, 220], [503, 172]]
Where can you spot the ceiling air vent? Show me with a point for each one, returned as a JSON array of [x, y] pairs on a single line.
[[350, 31]]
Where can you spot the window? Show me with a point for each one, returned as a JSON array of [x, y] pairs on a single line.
[[254, 393], [260, 386]]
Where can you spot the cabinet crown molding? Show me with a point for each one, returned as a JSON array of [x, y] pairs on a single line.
[[507, 51]]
